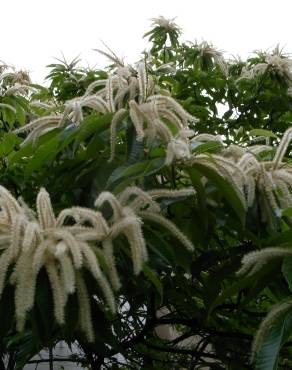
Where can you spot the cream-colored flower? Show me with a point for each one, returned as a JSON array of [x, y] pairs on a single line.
[[276, 62], [61, 245], [65, 245], [168, 24], [130, 208]]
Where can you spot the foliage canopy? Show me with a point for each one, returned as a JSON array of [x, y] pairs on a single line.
[[149, 195]]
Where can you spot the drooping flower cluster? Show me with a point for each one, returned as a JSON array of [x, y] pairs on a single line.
[[208, 51], [129, 209], [252, 264], [167, 24], [249, 175], [13, 82], [126, 91], [162, 117], [113, 93], [44, 241], [275, 62], [103, 96], [65, 245]]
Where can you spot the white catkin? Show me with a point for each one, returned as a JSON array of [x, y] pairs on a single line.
[[72, 245], [171, 117], [25, 289], [6, 259], [37, 132], [138, 247], [165, 193], [276, 312], [254, 261], [39, 256], [45, 211], [110, 95], [142, 80], [93, 85], [58, 293], [83, 215], [31, 236], [118, 117], [54, 119], [67, 273], [107, 196], [142, 198], [85, 319], [97, 103], [108, 249], [282, 148], [175, 106], [120, 97], [133, 87], [92, 265], [9, 203], [137, 119], [284, 194], [163, 131], [8, 106], [169, 226], [17, 227], [121, 224]]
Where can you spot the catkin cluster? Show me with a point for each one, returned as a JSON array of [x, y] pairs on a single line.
[[273, 180], [67, 244], [276, 62], [126, 92], [268, 180]]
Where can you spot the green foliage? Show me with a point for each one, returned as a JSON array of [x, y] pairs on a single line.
[[214, 312]]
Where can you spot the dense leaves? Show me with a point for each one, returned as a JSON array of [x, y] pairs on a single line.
[[209, 313]]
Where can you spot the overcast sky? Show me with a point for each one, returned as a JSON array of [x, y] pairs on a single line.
[[35, 31]]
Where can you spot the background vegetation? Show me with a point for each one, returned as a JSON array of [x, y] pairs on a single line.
[[245, 108]]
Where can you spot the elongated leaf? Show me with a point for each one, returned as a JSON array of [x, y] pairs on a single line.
[[280, 332], [140, 169], [195, 177], [43, 154], [226, 189], [287, 271], [27, 150], [7, 143], [211, 146], [255, 284], [230, 292], [93, 124], [287, 212], [281, 239], [153, 278], [262, 132]]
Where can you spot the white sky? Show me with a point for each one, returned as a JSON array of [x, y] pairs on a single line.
[[35, 31]]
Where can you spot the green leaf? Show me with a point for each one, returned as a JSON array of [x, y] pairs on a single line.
[[195, 177], [262, 132], [7, 143], [229, 292], [267, 358], [287, 271], [226, 189], [159, 245], [27, 347], [287, 212], [93, 124], [140, 169], [42, 155], [153, 278], [283, 239], [211, 146]]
